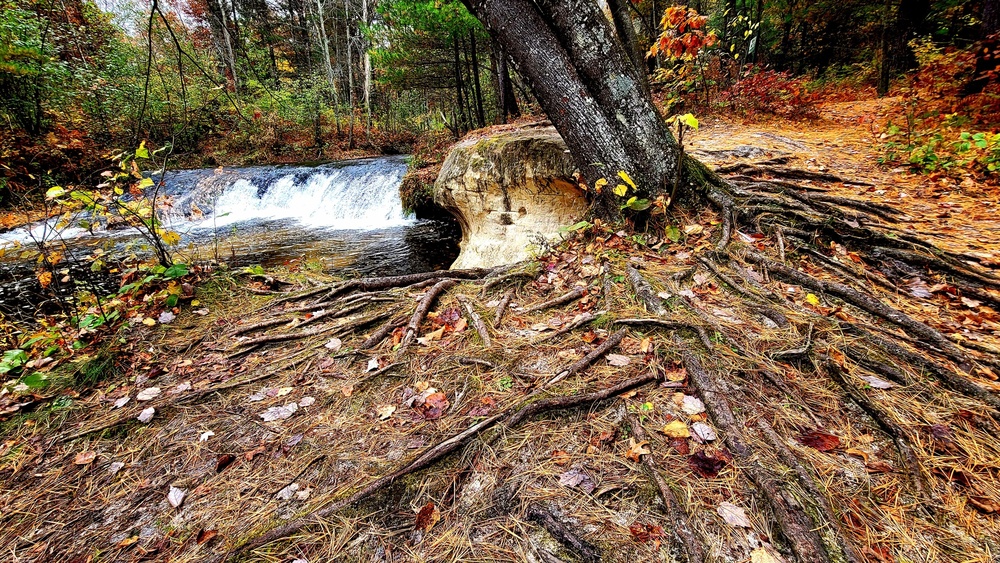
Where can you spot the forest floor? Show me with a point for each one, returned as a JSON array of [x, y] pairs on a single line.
[[274, 400]]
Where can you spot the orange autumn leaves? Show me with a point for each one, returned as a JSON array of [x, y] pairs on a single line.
[[683, 34]]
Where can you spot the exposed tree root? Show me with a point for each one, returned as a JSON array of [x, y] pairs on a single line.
[[692, 544], [509, 418], [413, 327], [476, 320], [583, 549], [502, 307], [572, 295]]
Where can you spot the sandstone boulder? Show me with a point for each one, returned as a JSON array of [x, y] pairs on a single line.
[[507, 191]]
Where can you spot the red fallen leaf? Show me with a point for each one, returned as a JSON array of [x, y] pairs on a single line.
[[644, 533], [707, 465], [434, 405], [206, 535], [820, 440], [427, 517], [225, 460], [680, 445]]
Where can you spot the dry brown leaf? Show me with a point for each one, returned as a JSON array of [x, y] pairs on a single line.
[[83, 458], [636, 449], [427, 517], [676, 429]]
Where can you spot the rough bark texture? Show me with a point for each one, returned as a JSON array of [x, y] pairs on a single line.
[[588, 87]]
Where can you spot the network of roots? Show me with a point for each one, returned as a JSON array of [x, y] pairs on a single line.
[[800, 378]]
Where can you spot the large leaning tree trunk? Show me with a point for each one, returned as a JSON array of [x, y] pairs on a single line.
[[589, 87]]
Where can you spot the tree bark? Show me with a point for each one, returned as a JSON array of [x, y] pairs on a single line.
[[588, 87], [901, 27], [480, 114], [625, 29]]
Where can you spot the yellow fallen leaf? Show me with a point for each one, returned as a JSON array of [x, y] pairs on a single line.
[[676, 429], [149, 321], [598, 185], [620, 190], [812, 299]]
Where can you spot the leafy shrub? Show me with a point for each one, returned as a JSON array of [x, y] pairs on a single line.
[[767, 91]]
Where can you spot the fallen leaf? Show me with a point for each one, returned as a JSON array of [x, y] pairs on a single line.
[[149, 321], [692, 405], [83, 458], [561, 457], [225, 460], [127, 541], [676, 429], [636, 449], [254, 452], [619, 360], [427, 517], [764, 555], [703, 432], [287, 492], [706, 465], [733, 515], [385, 411], [971, 303], [148, 394], [984, 505], [146, 415], [205, 436], [576, 478], [283, 391], [347, 390], [176, 496], [166, 317], [812, 299], [820, 440], [306, 401], [918, 288], [303, 494], [122, 402], [206, 535], [434, 406], [372, 364], [877, 382], [431, 336], [115, 467], [645, 533], [279, 413], [334, 345]]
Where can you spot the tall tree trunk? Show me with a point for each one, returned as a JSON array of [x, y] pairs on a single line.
[[589, 90], [902, 26], [506, 101], [987, 58], [625, 29], [350, 75], [368, 76], [324, 42], [477, 87], [460, 122]]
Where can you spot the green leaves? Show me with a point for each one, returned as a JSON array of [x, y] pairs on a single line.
[[176, 271], [54, 192], [582, 225], [686, 120], [142, 151], [12, 360]]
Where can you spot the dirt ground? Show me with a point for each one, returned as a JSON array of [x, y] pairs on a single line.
[[248, 434]]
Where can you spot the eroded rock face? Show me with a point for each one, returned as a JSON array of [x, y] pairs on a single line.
[[506, 191]]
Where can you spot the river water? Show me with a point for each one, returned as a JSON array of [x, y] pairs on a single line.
[[344, 217]]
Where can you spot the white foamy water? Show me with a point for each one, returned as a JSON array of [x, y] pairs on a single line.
[[352, 195]]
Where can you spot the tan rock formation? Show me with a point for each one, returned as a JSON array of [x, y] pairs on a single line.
[[508, 190]]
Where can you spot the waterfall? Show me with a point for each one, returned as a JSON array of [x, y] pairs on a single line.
[[349, 195], [360, 194]]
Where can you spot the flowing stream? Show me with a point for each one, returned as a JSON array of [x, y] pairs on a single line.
[[343, 216]]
